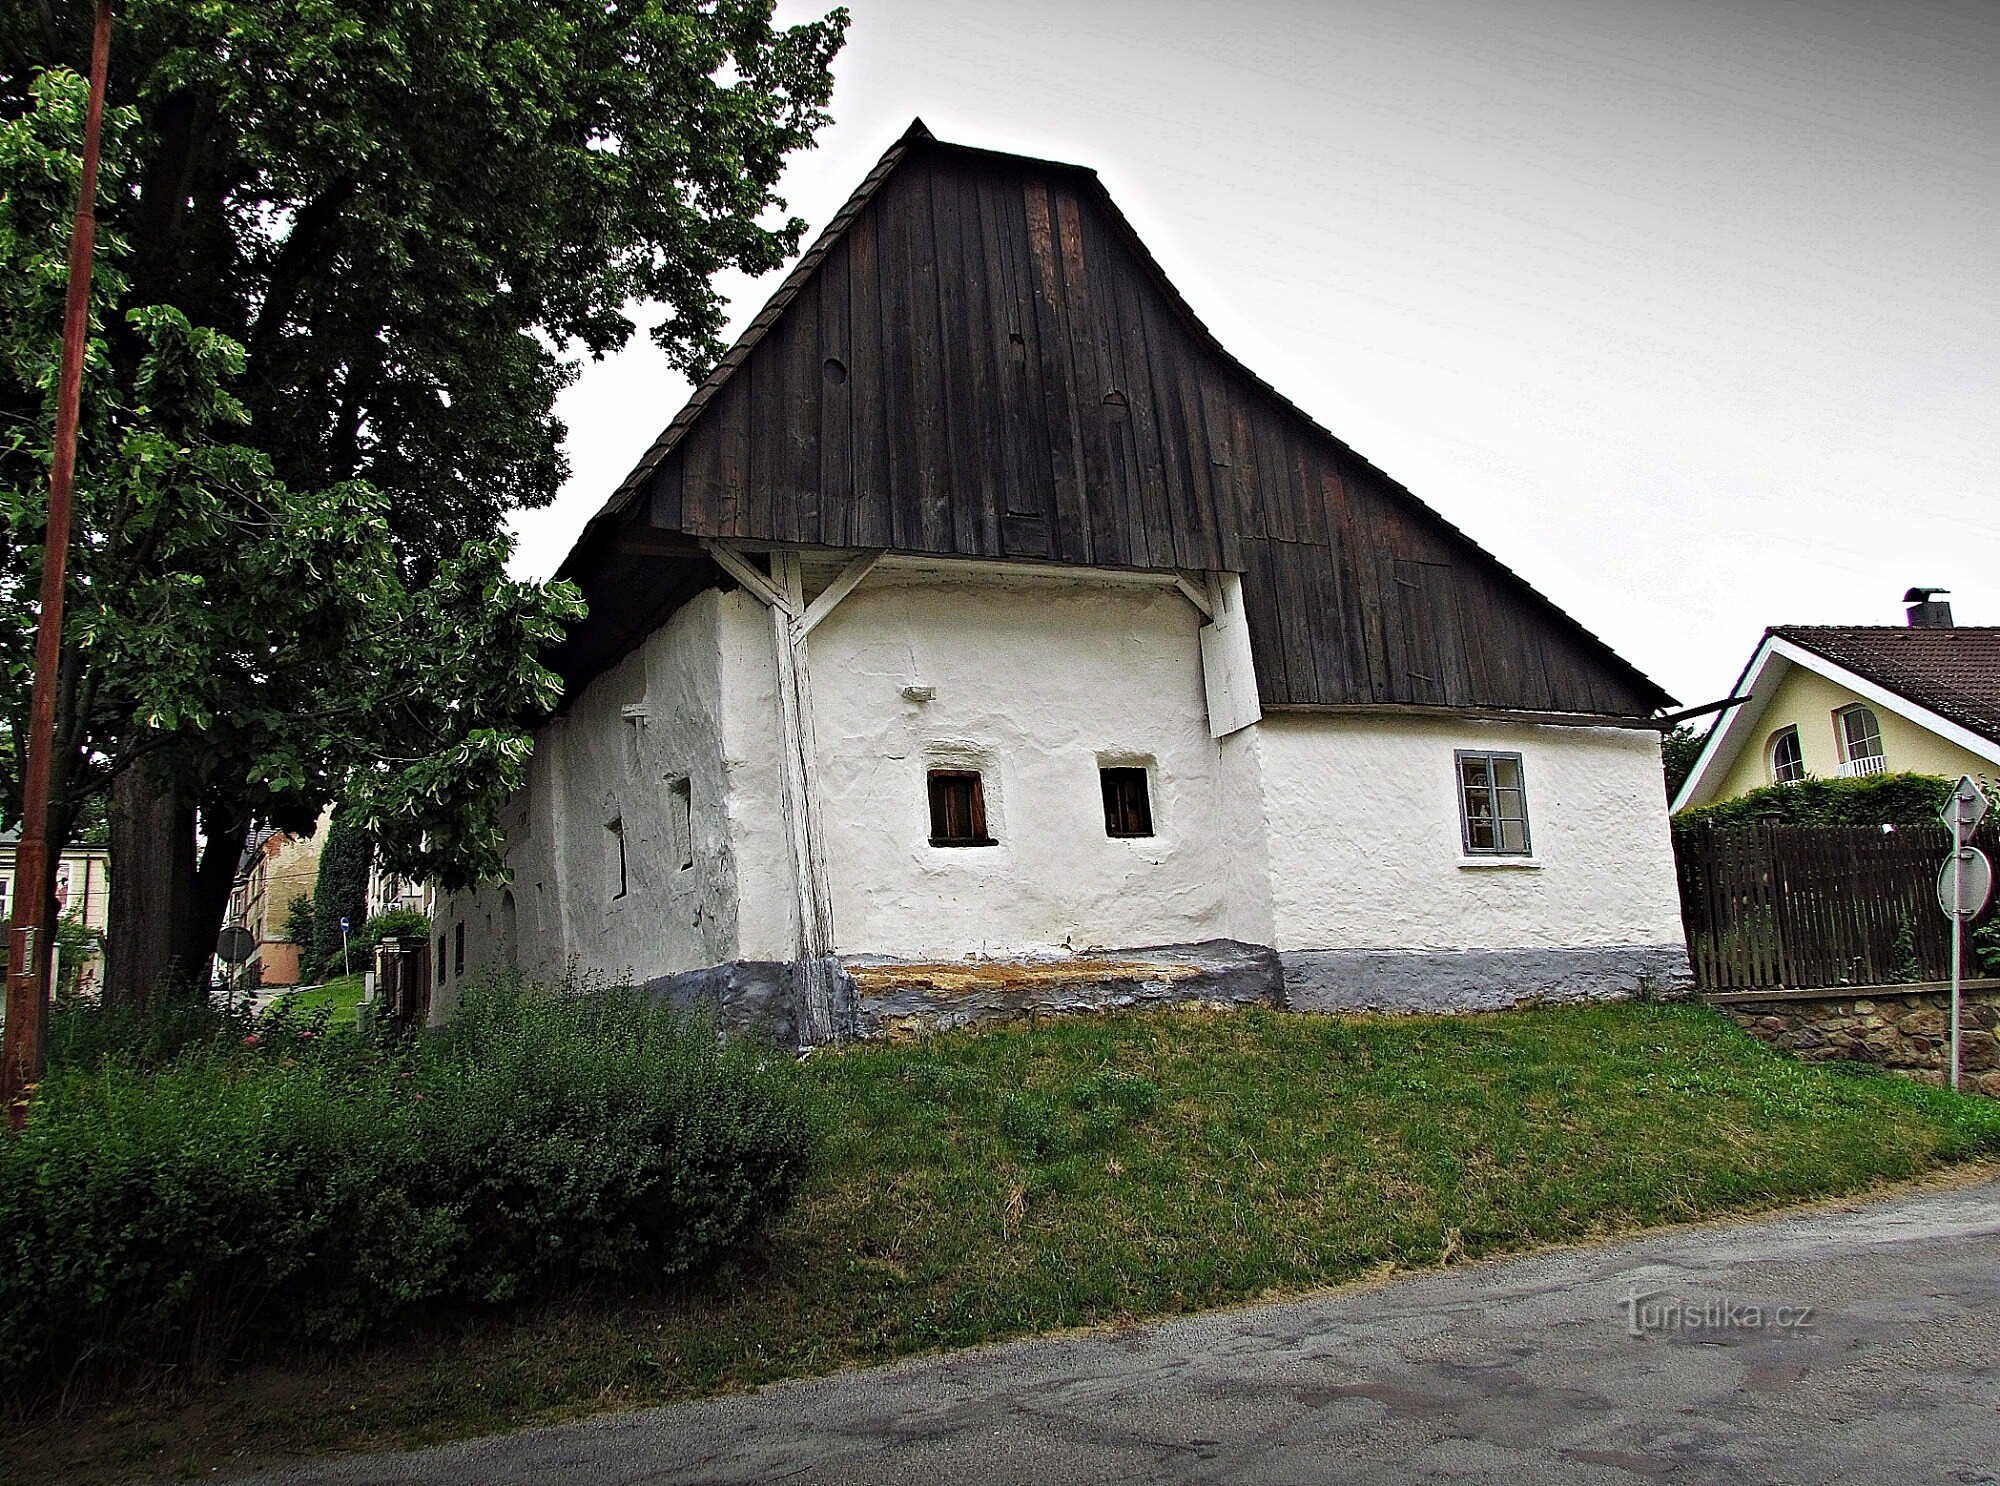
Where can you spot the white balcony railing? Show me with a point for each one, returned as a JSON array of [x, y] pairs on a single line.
[[1871, 763]]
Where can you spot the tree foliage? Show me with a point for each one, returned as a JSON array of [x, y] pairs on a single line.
[[340, 891], [1679, 750], [351, 250]]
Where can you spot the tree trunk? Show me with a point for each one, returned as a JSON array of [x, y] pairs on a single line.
[[208, 903], [152, 882]]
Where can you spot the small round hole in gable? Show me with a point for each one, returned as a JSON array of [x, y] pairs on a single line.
[[835, 369]]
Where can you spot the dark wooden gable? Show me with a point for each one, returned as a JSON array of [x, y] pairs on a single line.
[[980, 358]]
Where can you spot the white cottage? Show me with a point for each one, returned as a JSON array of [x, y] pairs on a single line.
[[980, 607]]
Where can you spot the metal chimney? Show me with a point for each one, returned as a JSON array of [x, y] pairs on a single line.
[[1927, 610]]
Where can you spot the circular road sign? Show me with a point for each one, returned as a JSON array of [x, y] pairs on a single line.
[[234, 944], [1962, 896]]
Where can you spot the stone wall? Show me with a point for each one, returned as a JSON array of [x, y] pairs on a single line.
[[1906, 1029]]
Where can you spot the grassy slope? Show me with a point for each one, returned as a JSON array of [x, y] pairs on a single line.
[[341, 996], [1098, 1169]]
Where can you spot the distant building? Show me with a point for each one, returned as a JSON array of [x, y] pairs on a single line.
[[83, 888], [276, 867], [1830, 701]]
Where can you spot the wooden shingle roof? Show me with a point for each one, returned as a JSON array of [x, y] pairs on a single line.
[[980, 358]]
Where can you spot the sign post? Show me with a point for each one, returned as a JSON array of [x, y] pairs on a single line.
[[346, 964], [1964, 884]]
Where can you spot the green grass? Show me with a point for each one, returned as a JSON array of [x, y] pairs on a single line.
[[340, 996], [1100, 1169]]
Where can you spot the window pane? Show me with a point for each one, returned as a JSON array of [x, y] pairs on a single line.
[[1127, 809], [1493, 802], [958, 811], [1860, 733]]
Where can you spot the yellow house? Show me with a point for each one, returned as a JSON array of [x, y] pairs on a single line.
[[1837, 701]]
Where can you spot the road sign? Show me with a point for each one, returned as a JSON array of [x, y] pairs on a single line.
[[343, 926], [1965, 882], [1964, 809], [234, 944]]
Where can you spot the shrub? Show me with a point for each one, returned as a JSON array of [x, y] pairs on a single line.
[[1871, 800], [286, 1185]]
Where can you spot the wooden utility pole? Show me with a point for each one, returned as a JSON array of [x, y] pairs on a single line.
[[32, 933]]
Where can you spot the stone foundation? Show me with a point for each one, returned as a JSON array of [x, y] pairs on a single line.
[[1906, 1029]]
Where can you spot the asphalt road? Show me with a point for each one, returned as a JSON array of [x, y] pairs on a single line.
[[1842, 1344]]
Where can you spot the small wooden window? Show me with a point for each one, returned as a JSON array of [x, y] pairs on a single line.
[[1127, 809], [1493, 804], [1788, 763], [958, 808]]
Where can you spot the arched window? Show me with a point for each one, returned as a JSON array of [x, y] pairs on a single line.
[[1860, 737], [1787, 763]]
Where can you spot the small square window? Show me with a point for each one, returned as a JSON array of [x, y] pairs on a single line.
[[1493, 804], [958, 808], [1127, 809]]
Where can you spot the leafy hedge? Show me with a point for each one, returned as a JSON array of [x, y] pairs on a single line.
[[285, 1185], [1872, 800]]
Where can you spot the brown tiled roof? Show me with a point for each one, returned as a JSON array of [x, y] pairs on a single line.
[[1953, 672]]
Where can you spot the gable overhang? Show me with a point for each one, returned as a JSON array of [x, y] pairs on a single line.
[[1774, 658]]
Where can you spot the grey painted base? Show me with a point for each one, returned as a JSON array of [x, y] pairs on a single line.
[[884, 998], [1476, 979]]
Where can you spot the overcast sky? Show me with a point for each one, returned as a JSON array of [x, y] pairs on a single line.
[[1687, 311]]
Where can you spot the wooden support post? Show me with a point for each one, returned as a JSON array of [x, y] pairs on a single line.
[[821, 1017]]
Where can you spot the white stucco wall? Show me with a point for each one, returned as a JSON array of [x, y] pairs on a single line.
[[1037, 683], [596, 764], [1304, 832], [1362, 817]]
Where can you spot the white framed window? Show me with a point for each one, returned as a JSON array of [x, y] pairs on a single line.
[[1859, 734], [1493, 804], [1787, 762]]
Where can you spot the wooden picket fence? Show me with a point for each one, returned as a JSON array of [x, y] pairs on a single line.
[[1808, 906]]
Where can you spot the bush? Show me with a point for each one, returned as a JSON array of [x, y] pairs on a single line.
[[286, 1185], [1872, 800]]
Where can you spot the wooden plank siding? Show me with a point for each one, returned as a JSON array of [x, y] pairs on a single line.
[[980, 359]]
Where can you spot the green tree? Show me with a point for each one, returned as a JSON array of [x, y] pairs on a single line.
[[340, 891], [1679, 750], [352, 249]]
